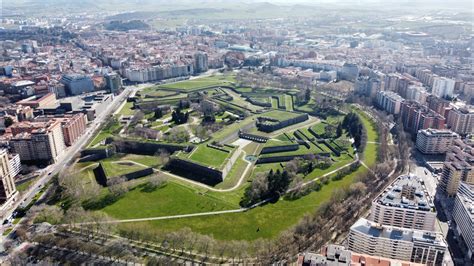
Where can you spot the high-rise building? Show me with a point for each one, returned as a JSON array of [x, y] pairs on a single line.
[[439, 105], [463, 216], [77, 84], [38, 141], [391, 242], [443, 87], [404, 204], [389, 101], [349, 72], [113, 82], [461, 120], [457, 167], [7, 184], [15, 164], [435, 141], [416, 116], [416, 93], [201, 63], [73, 127]]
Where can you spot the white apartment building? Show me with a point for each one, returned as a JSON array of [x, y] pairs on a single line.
[[417, 246], [435, 141], [389, 101], [463, 216], [443, 87], [404, 204]]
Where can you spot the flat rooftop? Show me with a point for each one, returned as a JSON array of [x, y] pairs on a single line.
[[395, 233], [406, 191]]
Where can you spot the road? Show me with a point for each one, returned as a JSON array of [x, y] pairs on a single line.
[[64, 159]]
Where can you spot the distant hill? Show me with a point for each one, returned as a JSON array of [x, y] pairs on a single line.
[[126, 26]]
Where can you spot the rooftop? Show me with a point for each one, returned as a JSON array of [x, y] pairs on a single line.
[[406, 191], [395, 233]]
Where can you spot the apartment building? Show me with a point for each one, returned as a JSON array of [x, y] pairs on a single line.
[[416, 93], [15, 164], [439, 105], [443, 87], [416, 116], [404, 204], [73, 125], [7, 184], [335, 255], [413, 245], [463, 216], [389, 101], [457, 167], [38, 141], [461, 119], [435, 141]]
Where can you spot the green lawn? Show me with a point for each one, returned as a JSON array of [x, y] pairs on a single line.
[[110, 130], [171, 199], [209, 156], [268, 220], [115, 168], [127, 109], [234, 175], [25, 185], [289, 102], [200, 83], [279, 115]]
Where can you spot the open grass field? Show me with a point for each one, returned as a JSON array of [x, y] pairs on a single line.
[[289, 102], [209, 156], [117, 168], [110, 130], [234, 175], [171, 199], [127, 109], [279, 115], [199, 83], [263, 222]]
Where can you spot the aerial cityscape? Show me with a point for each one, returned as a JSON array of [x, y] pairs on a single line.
[[244, 132]]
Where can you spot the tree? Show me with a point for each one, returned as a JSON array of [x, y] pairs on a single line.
[[117, 186], [8, 121], [164, 156], [307, 95], [156, 181], [158, 113], [50, 213], [339, 130]]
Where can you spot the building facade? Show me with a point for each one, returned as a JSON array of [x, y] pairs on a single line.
[[461, 120], [73, 127], [435, 141], [443, 87], [457, 167], [417, 246], [77, 84], [39, 141], [15, 164], [389, 101], [463, 216], [7, 184], [404, 204]]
